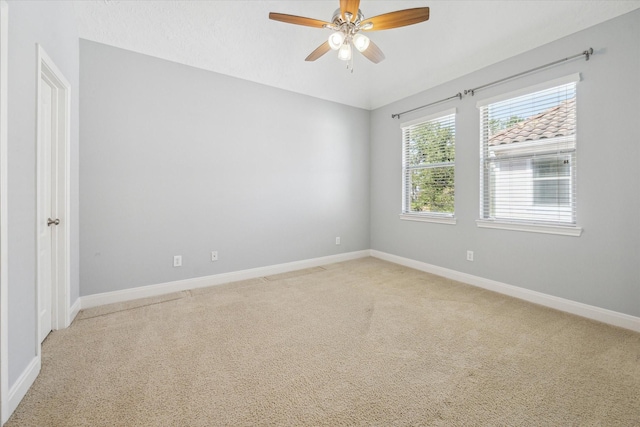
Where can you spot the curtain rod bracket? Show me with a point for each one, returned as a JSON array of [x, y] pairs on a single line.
[[587, 53]]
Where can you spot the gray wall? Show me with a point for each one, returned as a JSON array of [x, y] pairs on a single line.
[[600, 268], [52, 25], [180, 161]]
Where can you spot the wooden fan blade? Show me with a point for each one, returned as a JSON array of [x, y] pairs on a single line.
[[320, 50], [351, 6], [396, 19], [298, 20], [373, 53]]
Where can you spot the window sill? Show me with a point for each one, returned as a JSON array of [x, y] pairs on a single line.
[[429, 218], [532, 228]]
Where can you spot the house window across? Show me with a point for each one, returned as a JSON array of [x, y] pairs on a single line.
[[528, 159], [552, 181], [428, 147]]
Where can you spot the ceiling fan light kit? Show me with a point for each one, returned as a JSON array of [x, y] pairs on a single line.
[[335, 40], [361, 42], [344, 52], [346, 24]]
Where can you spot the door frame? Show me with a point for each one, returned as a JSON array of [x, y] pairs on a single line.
[[4, 283], [60, 153]]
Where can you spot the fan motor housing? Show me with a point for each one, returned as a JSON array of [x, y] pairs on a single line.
[[337, 17]]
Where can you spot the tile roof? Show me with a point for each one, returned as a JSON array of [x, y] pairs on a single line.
[[552, 123]]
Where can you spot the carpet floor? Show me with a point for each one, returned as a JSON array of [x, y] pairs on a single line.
[[363, 342]]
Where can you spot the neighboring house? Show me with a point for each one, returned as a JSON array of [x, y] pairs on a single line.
[[533, 166]]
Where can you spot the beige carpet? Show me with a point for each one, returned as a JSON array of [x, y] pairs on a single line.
[[363, 342]]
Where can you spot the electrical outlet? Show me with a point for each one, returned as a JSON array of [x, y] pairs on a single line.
[[177, 261], [469, 255], [214, 255], [337, 240]]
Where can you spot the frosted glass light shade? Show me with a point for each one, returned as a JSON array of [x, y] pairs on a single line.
[[336, 39], [361, 42], [345, 52]]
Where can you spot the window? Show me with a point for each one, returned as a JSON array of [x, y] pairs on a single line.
[[552, 181], [528, 156], [429, 167]]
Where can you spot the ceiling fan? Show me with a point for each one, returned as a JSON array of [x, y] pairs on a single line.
[[347, 23]]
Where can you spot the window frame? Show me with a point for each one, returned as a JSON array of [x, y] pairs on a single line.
[[517, 224], [433, 217]]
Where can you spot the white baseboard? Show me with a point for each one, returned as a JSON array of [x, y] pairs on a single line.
[[21, 386], [589, 311], [95, 300], [73, 311]]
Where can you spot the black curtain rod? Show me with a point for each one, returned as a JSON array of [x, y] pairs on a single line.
[[587, 54], [397, 115]]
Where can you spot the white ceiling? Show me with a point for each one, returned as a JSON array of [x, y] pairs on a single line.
[[236, 38]]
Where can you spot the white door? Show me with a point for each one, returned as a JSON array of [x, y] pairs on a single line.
[[52, 229], [45, 214]]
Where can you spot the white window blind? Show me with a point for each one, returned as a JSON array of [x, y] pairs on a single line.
[[528, 157], [429, 165]]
